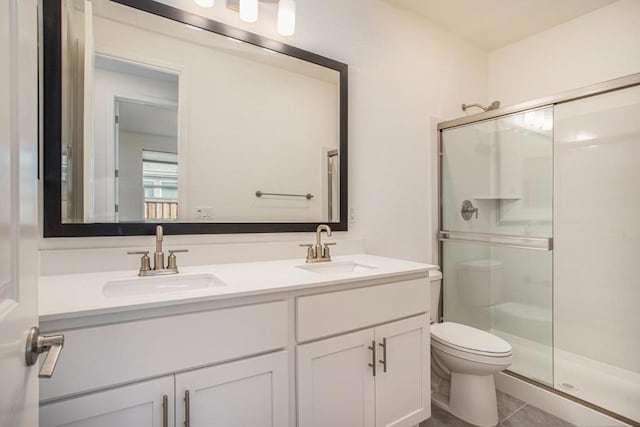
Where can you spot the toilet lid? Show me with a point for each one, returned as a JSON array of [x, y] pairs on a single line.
[[468, 338]]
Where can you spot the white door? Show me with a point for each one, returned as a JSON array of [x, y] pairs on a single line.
[[18, 210], [336, 382], [87, 121], [250, 392], [403, 377], [145, 404], [116, 160]]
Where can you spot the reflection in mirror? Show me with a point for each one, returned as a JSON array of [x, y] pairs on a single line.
[[163, 121]]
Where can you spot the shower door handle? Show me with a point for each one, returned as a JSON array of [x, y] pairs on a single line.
[[500, 240]]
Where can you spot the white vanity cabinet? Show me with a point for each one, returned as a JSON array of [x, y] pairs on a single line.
[[250, 392], [336, 382], [403, 391], [145, 404], [354, 381], [247, 379], [300, 356]]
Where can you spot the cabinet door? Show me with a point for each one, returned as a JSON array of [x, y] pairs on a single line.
[[250, 392], [403, 391], [335, 382], [137, 405]]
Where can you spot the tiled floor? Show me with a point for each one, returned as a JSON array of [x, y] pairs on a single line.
[[511, 412]]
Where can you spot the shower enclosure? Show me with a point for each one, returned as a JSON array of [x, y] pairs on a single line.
[[540, 237]]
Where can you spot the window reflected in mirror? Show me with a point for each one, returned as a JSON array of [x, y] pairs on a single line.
[[160, 183]]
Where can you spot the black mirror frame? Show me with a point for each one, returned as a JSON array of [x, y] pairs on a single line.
[[51, 99]]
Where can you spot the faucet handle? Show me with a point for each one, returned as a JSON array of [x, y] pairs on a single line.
[[172, 263], [311, 254], [145, 261], [325, 251]]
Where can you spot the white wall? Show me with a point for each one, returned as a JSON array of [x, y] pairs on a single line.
[[601, 45], [404, 72]]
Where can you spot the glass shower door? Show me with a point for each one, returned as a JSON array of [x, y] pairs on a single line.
[[496, 233], [597, 290]]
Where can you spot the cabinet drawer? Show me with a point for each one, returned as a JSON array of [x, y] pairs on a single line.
[[101, 356], [332, 313]]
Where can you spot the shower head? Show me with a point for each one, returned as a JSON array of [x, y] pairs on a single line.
[[494, 106]]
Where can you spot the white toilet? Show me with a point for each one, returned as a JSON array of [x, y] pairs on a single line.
[[468, 357]]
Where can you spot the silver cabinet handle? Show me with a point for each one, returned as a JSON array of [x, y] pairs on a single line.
[[372, 347], [38, 344], [383, 344], [165, 411], [187, 409]]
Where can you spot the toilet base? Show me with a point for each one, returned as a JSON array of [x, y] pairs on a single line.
[[472, 398]]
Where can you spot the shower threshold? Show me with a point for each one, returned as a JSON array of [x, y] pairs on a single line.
[[609, 387]]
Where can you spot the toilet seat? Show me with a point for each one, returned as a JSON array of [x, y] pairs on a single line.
[[465, 339]]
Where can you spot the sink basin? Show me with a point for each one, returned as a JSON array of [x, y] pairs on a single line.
[[336, 267], [160, 285]]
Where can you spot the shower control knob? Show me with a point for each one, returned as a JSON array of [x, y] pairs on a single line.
[[468, 210]]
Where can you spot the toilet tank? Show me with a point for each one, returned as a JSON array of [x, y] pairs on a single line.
[[480, 282], [435, 278]]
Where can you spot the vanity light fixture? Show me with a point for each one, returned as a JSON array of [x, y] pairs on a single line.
[[248, 10], [204, 3], [286, 17]]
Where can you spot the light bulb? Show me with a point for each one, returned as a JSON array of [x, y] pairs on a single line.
[[204, 3], [287, 17], [249, 10]]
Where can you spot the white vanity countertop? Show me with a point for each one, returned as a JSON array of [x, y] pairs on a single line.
[[77, 295]]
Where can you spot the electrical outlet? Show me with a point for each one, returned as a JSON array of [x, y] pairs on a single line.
[[352, 214], [204, 212]]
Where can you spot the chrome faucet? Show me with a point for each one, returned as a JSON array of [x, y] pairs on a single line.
[[158, 255], [158, 258], [319, 252]]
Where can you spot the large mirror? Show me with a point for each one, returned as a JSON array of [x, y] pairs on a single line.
[[154, 115]]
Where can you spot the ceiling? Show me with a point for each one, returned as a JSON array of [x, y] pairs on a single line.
[[147, 118], [492, 24]]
